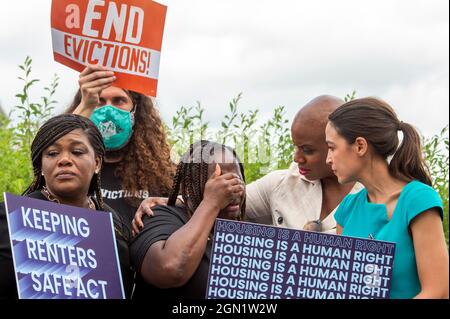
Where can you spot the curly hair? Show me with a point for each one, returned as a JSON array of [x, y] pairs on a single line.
[[146, 164]]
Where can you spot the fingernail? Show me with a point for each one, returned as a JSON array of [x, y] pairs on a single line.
[[218, 170]]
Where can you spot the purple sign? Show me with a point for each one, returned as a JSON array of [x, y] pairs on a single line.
[[251, 261], [62, 252]]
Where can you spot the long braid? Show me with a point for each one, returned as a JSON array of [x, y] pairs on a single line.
[[35, 184], [98, 191], [244, 202], [204, 176], [198, 173], [180, 175], [194, 184], [196, 157], [176, 184], [207, 147]]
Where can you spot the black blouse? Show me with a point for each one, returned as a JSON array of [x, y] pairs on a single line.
[[166, 221], [8, 287]]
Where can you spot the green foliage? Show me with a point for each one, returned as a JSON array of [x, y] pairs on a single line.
[[16, 139], [350, 97], [15, 165], [261, 147], [266, 147], [436, 153], [187, 127]]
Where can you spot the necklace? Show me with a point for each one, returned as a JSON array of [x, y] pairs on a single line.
[[52, 198]]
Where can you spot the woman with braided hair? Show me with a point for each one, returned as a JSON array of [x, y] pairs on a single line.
[[172, 252], [67, 155]]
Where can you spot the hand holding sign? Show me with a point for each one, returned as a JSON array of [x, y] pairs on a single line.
[[123, 36], [93, 80], [62, 252], [218, 171]]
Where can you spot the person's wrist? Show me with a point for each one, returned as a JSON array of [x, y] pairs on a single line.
[[88, 104], [84, 109], [211, 204]]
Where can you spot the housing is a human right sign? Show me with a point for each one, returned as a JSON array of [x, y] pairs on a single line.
[[251, 261]]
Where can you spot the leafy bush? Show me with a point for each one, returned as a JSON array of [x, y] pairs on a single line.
[[436, 153], [266, 147], [262, 147], [15, 139]]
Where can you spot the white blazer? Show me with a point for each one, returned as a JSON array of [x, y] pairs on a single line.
[[287, 199]]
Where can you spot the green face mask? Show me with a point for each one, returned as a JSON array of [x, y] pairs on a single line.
[[116, 126]]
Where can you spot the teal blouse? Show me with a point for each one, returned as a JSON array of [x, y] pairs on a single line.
[[360, 218]]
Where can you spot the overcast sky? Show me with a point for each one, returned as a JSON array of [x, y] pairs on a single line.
[[281, 52]]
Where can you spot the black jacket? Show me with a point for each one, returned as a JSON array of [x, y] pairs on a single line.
[[8, 287]]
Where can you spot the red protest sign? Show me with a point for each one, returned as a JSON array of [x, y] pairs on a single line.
[[123, 35]]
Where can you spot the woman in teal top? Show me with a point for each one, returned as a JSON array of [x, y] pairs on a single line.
[[370, 220], [398, 204]]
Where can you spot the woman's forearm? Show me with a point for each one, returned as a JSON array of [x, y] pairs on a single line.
[[83, 111], [432, 294], [184, 249]]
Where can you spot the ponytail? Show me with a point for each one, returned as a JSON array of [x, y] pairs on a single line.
[[376, 121], [408, 162]]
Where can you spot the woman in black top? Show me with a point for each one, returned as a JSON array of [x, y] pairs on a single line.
[[67, 155], [172, 252]]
